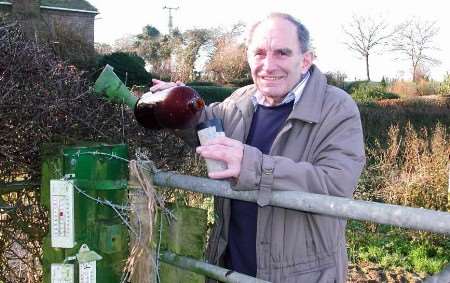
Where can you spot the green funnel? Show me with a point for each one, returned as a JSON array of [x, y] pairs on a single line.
[[111, 87]]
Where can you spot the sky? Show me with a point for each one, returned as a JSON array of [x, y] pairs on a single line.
[[324, 19]]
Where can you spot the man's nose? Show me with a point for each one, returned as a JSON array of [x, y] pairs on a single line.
[[269, 63]]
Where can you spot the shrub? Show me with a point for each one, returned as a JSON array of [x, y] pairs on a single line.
[[425, 87], [414, 167], [129, 67], [213, 94], [370, 92], [403, 89], [350, 86], [202, 83], [336, 79], [241, 82], [378, 117]]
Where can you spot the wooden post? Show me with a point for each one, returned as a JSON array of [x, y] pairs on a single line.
[[140, 218]]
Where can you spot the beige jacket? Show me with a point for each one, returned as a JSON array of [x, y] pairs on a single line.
[[319, 150]]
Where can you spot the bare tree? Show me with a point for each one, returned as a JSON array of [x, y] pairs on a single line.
[[227, 59], [365, 35], [414, 41], [124, 44], [103, 48]]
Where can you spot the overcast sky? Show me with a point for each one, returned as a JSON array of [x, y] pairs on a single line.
[[323, 18]]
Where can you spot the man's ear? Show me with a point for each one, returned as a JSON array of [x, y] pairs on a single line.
[[308, 58]]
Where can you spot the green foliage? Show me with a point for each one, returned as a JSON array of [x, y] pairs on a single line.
[[150, 32], [393, 247], [444, 88], [383, 82], [407, 150], [350, 86], [187, 53], [202, 83], [241, 82], [129, 67], [370, 92], [213, 94], [378, 117], [365, 91]]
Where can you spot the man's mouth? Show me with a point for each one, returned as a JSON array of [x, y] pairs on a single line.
[[271, 78]]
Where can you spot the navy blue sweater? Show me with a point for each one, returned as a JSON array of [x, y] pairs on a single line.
[[241, 250]]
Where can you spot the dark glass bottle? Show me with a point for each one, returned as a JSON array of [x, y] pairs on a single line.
[[178, 107]]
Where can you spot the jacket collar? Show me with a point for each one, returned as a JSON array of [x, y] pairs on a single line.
[[308, 108]]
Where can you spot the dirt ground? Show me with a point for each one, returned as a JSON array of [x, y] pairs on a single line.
[[373, 274]]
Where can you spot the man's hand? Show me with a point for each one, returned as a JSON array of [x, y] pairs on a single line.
[[227, 150], [162, 85]]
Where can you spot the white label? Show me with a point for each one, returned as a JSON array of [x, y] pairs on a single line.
[[88, 272], [62, 273], [205, 135], [62, 214]]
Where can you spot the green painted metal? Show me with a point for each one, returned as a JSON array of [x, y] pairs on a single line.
[[110, 86], [100, 172], [51, 168]]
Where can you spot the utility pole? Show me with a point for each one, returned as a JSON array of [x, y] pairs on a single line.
[[170, 16]]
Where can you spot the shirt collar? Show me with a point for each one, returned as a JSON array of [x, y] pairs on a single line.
[[293, 95]]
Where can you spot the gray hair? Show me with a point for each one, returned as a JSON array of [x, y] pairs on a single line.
[[302, 31]]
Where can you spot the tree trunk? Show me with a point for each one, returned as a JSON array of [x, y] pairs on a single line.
[[414, 65], [367, 67]]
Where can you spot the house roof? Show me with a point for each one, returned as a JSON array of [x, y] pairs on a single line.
[[68, 5]]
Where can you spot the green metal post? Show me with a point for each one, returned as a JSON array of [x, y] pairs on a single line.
[[100, 173], [51, 168]]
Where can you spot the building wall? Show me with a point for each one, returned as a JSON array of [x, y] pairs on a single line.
[[82, 24], [54, 21], [5, 10]]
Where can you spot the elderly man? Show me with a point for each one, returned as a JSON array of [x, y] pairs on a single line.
[[288, 131]]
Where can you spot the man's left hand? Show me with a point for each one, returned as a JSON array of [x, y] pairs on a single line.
[[227, 150]]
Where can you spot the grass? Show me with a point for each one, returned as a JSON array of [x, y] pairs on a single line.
[[392, 248]]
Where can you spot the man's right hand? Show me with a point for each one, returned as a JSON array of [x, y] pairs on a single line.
[[162, 85]]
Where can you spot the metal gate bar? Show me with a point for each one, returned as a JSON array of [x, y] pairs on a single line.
[[406, 217], [209, 270]]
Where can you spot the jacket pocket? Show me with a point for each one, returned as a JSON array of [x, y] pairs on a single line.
[[323, 234]]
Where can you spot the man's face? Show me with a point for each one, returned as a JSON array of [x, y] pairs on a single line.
[[275, 59]]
